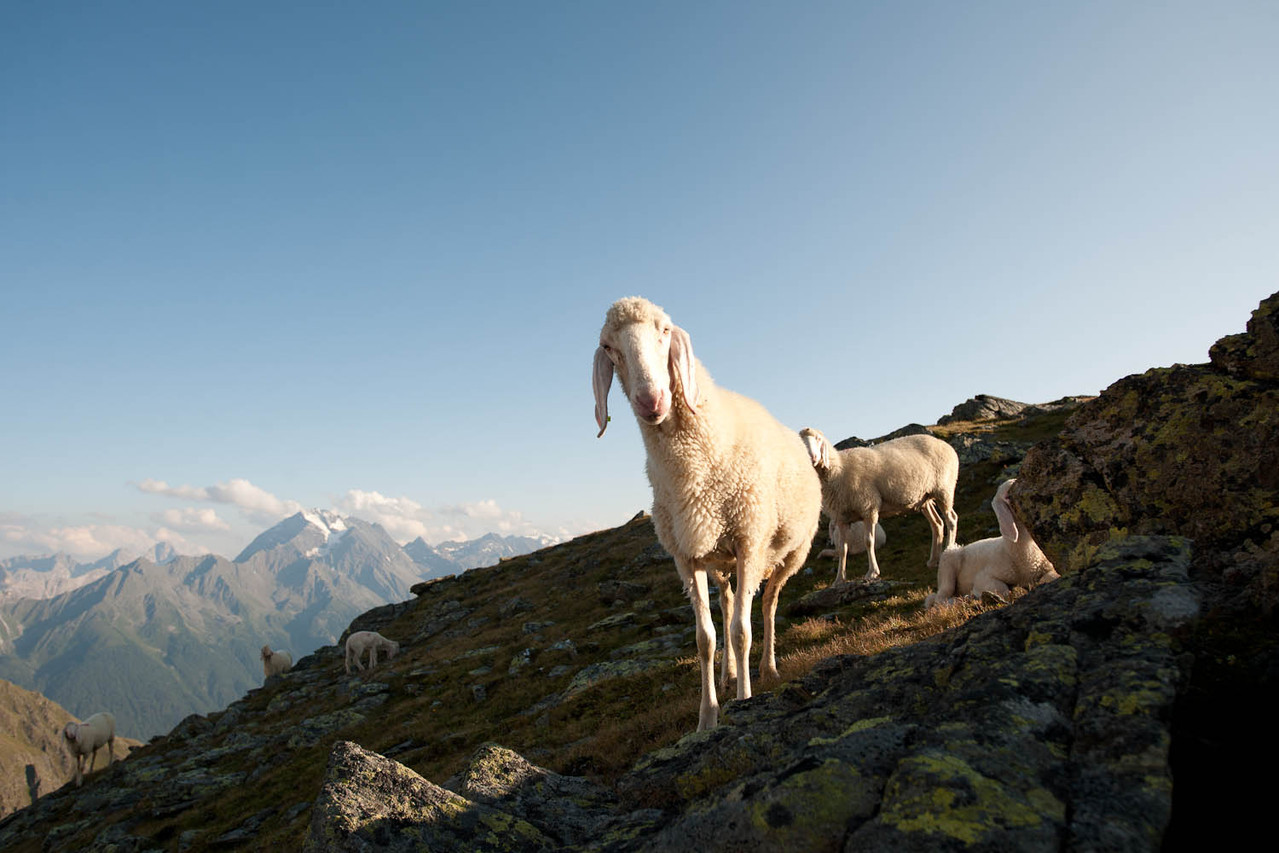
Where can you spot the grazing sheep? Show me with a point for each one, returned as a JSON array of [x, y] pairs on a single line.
[[732, 487], [914, 473], [856, 539], [274, 663], [993, 565], [87, 738], [368, 641]]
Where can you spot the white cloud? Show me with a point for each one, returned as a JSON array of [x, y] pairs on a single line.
[[256, 502], [480, 509], [406, 519], [403, 518], [191, 519], [86, 541]]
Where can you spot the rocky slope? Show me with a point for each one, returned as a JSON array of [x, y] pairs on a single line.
[[34, 757], [1058, 722]]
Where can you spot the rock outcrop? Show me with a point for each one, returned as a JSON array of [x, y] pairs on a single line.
[[1187, 450]]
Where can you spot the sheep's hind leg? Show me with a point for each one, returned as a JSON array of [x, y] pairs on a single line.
[[728, 662], [870, 519], [934, 521], [772, 590], [842, 534]]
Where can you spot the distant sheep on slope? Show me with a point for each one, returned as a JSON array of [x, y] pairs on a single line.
[[914, 473], [275, 663], [993, 565], [733, 490], [87, 738], [368, 641]]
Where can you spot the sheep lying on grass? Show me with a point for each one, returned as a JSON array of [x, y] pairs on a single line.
[[368, 641], [732, 488], [87, 738], [274, 663], [993, 565], [914, 473]]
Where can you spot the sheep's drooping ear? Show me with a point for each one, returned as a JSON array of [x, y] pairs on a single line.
[[1004, 512], [602, 380], [682, 365]]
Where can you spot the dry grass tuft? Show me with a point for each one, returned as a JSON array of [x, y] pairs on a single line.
[[903, 623]]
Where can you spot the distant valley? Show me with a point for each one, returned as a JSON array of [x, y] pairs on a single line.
[[163, 636]]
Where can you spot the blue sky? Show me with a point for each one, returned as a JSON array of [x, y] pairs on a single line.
[[263, 256]]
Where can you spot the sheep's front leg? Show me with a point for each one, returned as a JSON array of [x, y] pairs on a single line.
[[870, 519], [728, 663], [993, 585], [700, 597], [748, 568]]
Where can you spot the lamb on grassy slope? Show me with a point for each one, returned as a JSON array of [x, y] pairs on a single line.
[[87, 738], [856, 539], [274, 663], [368, 641], [914, 473], [993, 565], [733, 490]]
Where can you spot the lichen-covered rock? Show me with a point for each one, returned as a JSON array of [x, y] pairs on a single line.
[[371, 803], [568, 809], [1255, 353], [1190, 451]]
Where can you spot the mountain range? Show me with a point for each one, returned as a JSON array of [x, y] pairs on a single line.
[[164, 636]]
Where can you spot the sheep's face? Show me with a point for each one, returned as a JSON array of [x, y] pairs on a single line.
[[817, 446], [648, 353], [640, 354], [71, 732]]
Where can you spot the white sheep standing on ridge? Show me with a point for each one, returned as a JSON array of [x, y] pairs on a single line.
[[368, 641], [732, 488], [993, 565], [87, 738], [275, 663], [914, 473]]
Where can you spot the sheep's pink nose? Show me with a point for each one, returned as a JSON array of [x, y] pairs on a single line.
[[649, 403]]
